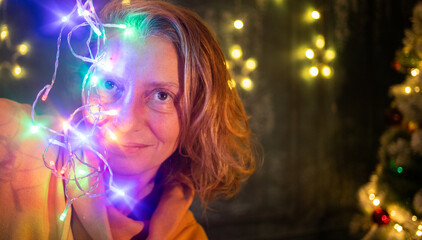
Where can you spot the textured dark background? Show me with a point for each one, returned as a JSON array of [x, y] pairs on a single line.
[[320, 137]]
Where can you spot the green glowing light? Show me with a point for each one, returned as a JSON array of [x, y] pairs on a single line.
[[63, 216], [399, 169], [129, 32], [34, 129]]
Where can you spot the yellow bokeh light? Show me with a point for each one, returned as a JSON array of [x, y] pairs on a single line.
[[371, 196], [320, 41], [414, 72], [417, 89], [313, 71], [23, 48], [326, 71], [126, 2], [398, 227], [247, 84], [414, 218], [251, 64], [376, 202], [419, 233], [408, 90], [393, 213], [4, 32], [236, 52], [330, 55], [17, 71], [238, 24], [315, 15], [309, 53]]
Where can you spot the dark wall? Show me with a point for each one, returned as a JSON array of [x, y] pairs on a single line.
[[320, 136]]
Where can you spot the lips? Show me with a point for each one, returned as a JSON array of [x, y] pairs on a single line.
[[127, 148]]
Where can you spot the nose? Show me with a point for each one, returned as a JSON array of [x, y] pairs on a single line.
[[126, 116]]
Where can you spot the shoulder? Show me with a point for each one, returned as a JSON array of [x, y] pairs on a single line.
[[172, 218], [190, 229]]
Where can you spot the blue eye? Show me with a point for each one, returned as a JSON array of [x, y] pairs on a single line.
[[109, 84], [109, 91]]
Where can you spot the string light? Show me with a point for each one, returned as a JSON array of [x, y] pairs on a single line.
[[376, 202], [236, 52], [70, 137], [313, 71], [34, 129], [247, 84], [419, 233], [251, 64], [414, 218], [371, 196], [320, 41], [315, 15], [4, 32], [238, 24], [398, 227], [329, 55], [17, 71], [417, 89], [309, 54], [326, 71], [23, 48], [407, 90], [414, 72]]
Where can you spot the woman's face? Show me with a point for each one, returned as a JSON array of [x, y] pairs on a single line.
[[139, 79]]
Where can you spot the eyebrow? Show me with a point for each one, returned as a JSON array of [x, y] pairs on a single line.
[[163, 84]]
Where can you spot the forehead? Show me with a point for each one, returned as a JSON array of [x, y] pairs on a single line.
[[152, 55]]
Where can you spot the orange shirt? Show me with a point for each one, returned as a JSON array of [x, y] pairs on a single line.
[[32, 198]]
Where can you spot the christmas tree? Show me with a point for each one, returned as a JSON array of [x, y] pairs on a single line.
[[392, 199]]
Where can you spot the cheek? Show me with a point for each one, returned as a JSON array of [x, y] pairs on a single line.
[[166, 128]]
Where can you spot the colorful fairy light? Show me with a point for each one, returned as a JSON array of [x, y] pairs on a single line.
[[75, 169]]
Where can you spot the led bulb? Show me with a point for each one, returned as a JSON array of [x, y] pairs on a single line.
[[65, 18], [4, 32], [376, 202], [23, 48], [251, 63], [326, 71], [330, 55], [315, 15], [34, 129], [247, 84], [65, 126], [414, 72], [236, 52], [309, 54], [238, 24], [320, 41], [112, 112], [407, 90], [17, 71], [313, 71]]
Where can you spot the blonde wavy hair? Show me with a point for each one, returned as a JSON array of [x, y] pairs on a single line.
[[215, 153]]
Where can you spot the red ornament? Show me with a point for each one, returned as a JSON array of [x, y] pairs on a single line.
[[380, 216]]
